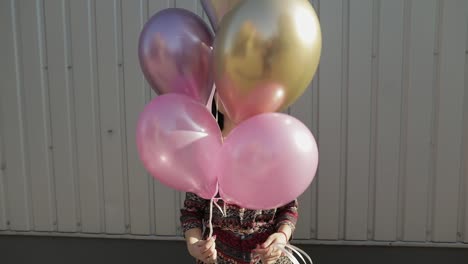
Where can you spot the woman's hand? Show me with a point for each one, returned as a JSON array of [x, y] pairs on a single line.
[[203, 250], [267, 252]]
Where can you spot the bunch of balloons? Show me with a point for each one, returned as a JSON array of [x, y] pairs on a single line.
[[262, 57]]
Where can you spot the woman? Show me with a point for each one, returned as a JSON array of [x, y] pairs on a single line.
[[240, 236]]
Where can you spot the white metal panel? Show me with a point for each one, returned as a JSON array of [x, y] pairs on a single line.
[[164, 197], [191, 5], [313, 188], [464, 221], [388, 119], [373, 117], [36, 105], [449, 119], [61, 112], [16, 200], [403, 120], [110, 88], [358, 119], [203, 15], [134, 16], [85, 92], [330, 119], [464, 217], [419, 119], [314, 128], [3, 216], [464, 133], [122, 114], [302, 110]]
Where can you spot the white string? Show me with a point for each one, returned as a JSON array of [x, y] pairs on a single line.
[[214, 201], [300, 253], [223, 212], [289, 255], [283, 248], [210, 223]]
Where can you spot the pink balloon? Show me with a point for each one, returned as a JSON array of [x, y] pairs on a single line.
[[177, 138], [267, 161]]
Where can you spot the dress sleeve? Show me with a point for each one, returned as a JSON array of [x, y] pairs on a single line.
[[287, 215], [191, 215]]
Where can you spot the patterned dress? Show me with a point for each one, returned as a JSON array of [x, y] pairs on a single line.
[[240, 231]]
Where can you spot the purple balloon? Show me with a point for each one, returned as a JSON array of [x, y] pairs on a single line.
[[175, 54]]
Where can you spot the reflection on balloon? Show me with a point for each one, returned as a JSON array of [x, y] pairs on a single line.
[[247, 104], [175, 54], [281, 46]]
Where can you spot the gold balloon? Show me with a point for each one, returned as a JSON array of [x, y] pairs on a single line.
[[216, 9], [266, 53]]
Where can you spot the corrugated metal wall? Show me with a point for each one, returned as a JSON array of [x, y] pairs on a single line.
[[389, 107]]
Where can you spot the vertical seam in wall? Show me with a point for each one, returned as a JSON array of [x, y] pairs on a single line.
[[176, 193], [373, 117], [343, 121], [21, 107], [404, 119], [41, 28], [314, 229], [464, 152], [435, 122], [144, 17], [120, 66], [3, 167], [318, 136], [94, 71], [72, 112]]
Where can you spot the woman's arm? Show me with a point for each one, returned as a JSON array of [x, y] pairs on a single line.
[[191, 215], [286, 218], [286, 230], [191, 218], [193, 235]]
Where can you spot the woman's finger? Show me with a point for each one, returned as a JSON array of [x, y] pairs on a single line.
[[206, 246], [210, 251], [272, 257], [214, 256]]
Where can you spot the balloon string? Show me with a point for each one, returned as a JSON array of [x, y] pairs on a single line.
[[216, 103], [284, 249], [214, 201], [224, 211], [300, 253], [210, 222]]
